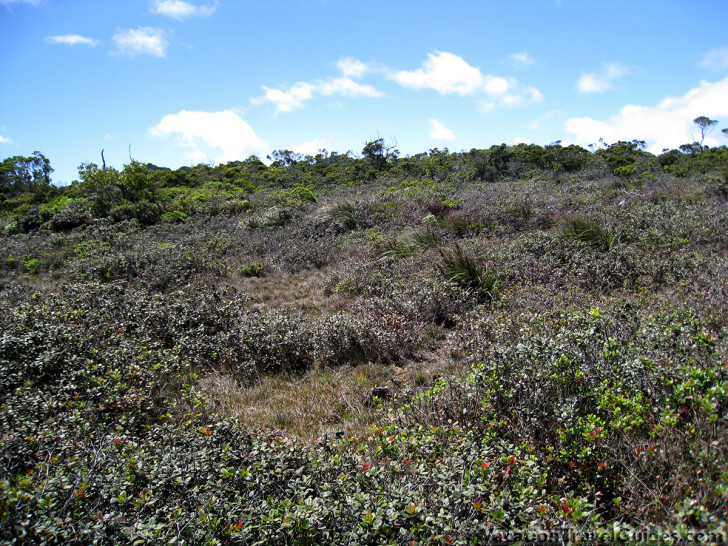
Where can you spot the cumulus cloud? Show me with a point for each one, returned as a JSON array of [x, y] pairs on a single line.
[[72, 39], [223, 130], [5, 140], [444, 72], [291, 99], [717, 59], [507, 93], [180, 10], [312, 147], [198, 157], [448, 73], [295, 96], [521, 58], [141, 41], [667, 125], [440, 132], [599, 82]]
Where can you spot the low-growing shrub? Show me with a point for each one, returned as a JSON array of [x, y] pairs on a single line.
[[174, 216], [254, 269], [31, 264]]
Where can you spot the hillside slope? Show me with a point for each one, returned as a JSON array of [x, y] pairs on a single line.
[[434, 349]]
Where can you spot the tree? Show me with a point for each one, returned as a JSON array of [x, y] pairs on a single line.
[[706, 126], [725, 132], [285, 158], [136, 182], [20, 174], [378, 154]]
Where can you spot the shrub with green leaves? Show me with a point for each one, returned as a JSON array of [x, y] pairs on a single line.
[[31, 264]]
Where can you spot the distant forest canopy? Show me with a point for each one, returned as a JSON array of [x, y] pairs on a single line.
[[150, 194]]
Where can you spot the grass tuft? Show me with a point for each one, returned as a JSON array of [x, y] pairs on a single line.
[[589, 231], [345, 213], [465, 271]]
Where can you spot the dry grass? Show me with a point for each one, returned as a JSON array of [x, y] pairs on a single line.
[[321, 401], [345, 400], [301, 291]]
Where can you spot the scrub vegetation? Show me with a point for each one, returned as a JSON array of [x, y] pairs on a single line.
[[447, 348]]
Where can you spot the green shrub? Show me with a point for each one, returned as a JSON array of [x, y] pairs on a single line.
[[145, 212], [625, 171], [74, 215], [254, 269], [273, 217], [31, 264], [298, 196], [174, 216]]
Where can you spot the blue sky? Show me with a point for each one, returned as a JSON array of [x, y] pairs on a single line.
[[211, 81]]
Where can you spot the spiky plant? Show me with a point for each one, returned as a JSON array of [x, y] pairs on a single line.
[[399, 248], [465, 271], [427, 238], [345, 213], [589, 231]]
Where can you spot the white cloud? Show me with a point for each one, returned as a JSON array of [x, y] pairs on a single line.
[[447, 73], [440, 132], [599, 82], [521, 58], [141, 41], [198, 157], [177, 9], [295, 96], [353, 68], [444, 72], [223, 130], [508, 93], [288, 101], [72, 39], [5, 140], [347, 87], [312, 147], [716, 59], [667, 125], [519, 140]]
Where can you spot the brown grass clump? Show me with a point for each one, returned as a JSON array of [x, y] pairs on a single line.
[[321, 401]]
